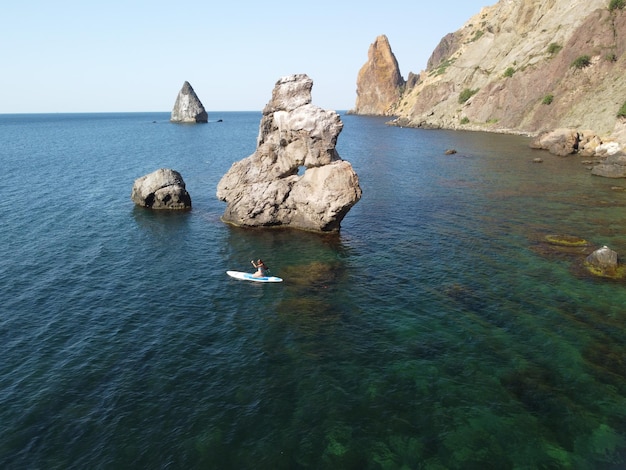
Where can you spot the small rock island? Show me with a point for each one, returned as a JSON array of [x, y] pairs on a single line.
[[161, 189], [295, 178], [188, 107]]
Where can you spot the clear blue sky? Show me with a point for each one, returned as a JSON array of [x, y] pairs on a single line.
[[134, 55]]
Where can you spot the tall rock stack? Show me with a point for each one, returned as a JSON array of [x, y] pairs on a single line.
[[379, 83], [188, 107], [295, 178]]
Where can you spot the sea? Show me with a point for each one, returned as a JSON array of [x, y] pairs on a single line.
[[441, 328]]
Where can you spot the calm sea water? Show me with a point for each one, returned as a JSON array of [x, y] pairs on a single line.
[[437, 330]]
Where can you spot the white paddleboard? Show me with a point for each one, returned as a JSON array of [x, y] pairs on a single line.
[[249, 277]]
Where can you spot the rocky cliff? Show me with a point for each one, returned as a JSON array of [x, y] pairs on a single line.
[[525, 66], [188, 107]]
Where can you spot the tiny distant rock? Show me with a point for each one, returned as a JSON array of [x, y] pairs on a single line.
[[188, 107], [161, 189], [450, 152]]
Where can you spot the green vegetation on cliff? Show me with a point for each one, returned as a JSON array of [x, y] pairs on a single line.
[[442, 68], [581, 62], [466, 95], [553, 48], [508, 72]]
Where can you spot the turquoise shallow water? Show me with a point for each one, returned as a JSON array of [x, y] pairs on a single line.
[[437, 330]]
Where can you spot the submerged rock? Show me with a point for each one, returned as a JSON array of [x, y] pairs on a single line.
[[295, 178], [161, 189], [566, 240], [188, 107], [613, 167]]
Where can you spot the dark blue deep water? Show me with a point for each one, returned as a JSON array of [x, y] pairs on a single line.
[[438, 330]]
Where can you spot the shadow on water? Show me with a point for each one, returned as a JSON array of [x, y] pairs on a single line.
[[161, 221], [286, 251], [312, 266]]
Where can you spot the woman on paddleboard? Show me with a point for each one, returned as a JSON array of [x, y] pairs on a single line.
[[261, 269]]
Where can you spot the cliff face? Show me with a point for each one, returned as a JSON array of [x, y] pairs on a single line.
[[525, 66], [379, 83]]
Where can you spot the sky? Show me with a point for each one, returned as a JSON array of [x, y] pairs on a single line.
[[72, 56]]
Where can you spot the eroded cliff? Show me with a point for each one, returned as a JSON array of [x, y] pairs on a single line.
[[525, 66]]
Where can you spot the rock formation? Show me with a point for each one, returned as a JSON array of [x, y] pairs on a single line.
[[379, 83], [559, 142], [613, 167], [563, 142], [603, 262], [188, 107], [161, 189], [524, 66], [295, 178]]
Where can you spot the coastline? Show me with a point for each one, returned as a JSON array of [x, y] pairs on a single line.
[[405, 122]]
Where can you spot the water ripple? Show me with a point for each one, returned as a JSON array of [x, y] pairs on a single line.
[[428, 333]]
